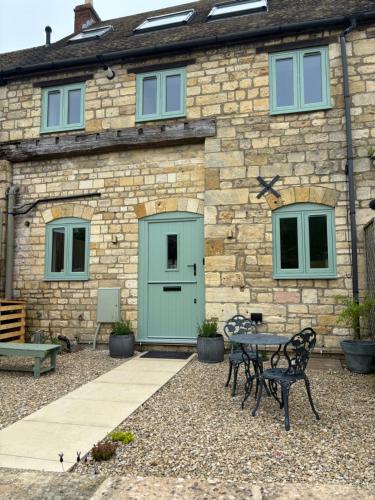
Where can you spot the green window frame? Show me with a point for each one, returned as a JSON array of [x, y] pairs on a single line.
[[298, 57], [64, 124], [161, 112], [302, 214], [66, 258]]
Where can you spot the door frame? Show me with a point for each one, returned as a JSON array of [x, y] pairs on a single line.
[[143, 274]]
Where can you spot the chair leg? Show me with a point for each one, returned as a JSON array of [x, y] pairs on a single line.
[[235, 375], [248, 389], [229, 374], [285, 398], [261, 384], [308, 390]]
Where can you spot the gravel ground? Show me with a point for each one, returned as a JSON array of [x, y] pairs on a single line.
[[21, 394], [192, 428]]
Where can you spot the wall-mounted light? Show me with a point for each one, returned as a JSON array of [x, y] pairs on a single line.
[[110, 74]]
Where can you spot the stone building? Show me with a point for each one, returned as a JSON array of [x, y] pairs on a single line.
[[198, 158]]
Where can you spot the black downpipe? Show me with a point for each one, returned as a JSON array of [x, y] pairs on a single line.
[[350, 163], [25, 209]]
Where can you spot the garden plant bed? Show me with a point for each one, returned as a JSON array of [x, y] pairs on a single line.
[[193, 428], [21, 394]]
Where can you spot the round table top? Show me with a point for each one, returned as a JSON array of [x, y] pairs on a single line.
[[259, 339]]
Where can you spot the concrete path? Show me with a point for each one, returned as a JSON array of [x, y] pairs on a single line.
[[75, 422]]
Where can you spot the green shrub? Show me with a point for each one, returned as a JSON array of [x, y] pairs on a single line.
[[354, 311], [123, 437], [122, 328], [208, 329], [103, 451]]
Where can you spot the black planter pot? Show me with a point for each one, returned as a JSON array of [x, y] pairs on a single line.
[[359, 355], [210, 349], [121, 346]]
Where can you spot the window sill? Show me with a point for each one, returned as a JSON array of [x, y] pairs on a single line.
[[61, 130], [305, 277], [67, 279], [158, 119], [304, 110]]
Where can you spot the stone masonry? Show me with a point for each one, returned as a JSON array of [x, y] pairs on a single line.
[[219, 177]]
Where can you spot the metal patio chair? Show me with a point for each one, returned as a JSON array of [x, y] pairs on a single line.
[[235, 326], [296, 353]]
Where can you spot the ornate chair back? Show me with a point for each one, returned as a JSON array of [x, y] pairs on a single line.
[[297, 351], [237, 325]]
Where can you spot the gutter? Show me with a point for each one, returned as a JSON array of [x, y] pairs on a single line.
[[350, 162], [186, 45]]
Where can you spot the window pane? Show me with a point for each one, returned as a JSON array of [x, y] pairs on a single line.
[[79, 250], [172, 251], [53, 112], [58, 242], [284, 82], [74, 106], [173, 90], [289, 243], [318, 242], [149, 106], [312, 77]]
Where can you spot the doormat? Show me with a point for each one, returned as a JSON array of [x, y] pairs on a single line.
[[166, 355]]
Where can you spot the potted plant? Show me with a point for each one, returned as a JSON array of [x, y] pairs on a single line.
[[210, 344], [359, 353], [121, 340]]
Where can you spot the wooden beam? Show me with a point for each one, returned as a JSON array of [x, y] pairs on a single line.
[[55, 146]]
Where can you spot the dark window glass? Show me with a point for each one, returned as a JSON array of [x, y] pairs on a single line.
[[74, 106], [149, 105], [173, 90], [289, 243], [284, 82], [53, 115], [312, 78], [318, 242], [58, 242], [79, 250], [172, 251]]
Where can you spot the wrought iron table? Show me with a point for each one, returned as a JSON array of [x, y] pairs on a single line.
[[257, 339]]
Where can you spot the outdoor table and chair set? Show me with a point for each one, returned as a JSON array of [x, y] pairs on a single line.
[[288, 362]]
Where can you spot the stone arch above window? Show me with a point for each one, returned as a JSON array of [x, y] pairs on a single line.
[[313, 194], [67, 210], [169, 205]]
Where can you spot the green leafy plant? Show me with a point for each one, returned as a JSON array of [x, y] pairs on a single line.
[[122, 328], [354, 312], [371, 152], [208, 328], [123, 437], [103, 451]]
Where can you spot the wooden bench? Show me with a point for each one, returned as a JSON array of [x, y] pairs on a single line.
[[37, 351]]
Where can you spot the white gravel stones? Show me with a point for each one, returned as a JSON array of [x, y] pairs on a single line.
[[21, 394], [192, 428]]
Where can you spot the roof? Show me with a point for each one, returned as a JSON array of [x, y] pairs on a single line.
[[280, 12]]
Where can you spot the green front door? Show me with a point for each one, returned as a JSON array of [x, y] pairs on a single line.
[[171, 273]]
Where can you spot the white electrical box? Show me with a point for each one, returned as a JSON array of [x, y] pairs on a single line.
[[108, 308]]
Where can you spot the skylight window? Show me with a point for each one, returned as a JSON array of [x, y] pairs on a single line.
[[89, 34], [236, 8], [166, 21]]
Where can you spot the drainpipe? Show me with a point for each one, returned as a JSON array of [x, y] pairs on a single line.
[[9, 264], [349, 163]]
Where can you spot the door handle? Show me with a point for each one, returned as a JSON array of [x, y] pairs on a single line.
[[194, 266]]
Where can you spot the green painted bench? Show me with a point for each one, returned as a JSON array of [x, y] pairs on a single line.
[[37, 351]]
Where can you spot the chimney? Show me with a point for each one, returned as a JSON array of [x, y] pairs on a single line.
[[48, 30], [85, 16]]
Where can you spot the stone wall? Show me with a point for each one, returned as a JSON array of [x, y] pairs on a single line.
[[125, 180], [305, 149]]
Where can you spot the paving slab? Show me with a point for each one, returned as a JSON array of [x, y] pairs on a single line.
[[78, 420]]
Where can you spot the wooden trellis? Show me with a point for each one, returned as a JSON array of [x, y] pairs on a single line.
[[12, 321]]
